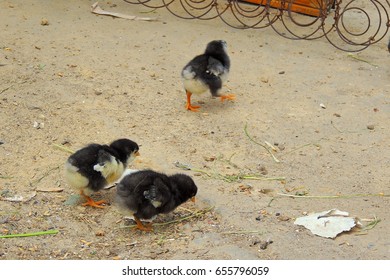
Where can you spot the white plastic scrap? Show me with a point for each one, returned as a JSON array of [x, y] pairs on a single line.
[[95, 8], [328, 223]]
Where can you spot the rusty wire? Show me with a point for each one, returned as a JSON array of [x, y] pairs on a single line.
[[349, 25]]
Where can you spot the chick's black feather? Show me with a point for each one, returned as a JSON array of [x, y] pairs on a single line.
[[86, 158], [148, 193], [211, 67]]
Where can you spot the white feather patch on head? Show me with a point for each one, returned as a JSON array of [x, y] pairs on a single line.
[[111, 170]]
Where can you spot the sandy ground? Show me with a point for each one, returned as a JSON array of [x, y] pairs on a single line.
[[85, 78]]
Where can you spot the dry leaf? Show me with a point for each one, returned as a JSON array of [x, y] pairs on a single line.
[[52, 189]]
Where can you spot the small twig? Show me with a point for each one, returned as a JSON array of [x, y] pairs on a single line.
[[229, 178], [53, 231], [44, 175], [331, 122], [243, 232], [239, 177], [269, 203], [341, 131], [228, 161], [332, 196], [188, 167], [63, 148], [186, 209], [303, 146], [5, 89], [6, 177], [148, 12], [372, 224], [194, 214], [264, 146], [361, 59]]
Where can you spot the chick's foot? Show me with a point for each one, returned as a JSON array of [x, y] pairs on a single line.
[[228, 97]]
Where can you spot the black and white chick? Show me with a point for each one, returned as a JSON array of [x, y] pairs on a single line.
[[95, 166], [145, 194], [207, 71]]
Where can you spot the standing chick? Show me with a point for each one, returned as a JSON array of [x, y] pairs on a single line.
[[147, 193], [207, 71], [95, 166]]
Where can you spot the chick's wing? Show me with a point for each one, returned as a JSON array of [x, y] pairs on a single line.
[[215, 67]]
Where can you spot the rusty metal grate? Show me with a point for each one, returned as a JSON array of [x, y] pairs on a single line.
[[349, 25]]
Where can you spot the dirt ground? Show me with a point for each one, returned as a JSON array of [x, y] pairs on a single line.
[[82, 78]]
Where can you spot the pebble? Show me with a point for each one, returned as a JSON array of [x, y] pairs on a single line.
[[44, 21], [38, 125], [100, 233], [370, 127], [98, 92]]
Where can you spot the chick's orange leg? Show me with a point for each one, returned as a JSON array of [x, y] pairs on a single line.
[[91, 202], [188, 104], [141, 226], [228, 97]]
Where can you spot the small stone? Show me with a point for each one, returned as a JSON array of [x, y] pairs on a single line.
[[322, 105], [211, 158], [282, 72], [264, 244], [283, 218], [44, 22], [38, 125], [281, 147], [98, 92], [370, 127], [264, 80]]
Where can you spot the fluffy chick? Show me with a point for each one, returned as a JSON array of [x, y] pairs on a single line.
[[207, 71], [95, 166], [147, 193]]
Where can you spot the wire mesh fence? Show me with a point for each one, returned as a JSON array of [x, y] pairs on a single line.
[[349, 25]]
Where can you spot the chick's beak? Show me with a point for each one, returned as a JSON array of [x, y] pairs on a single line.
[[193, 199], [137, 154]]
